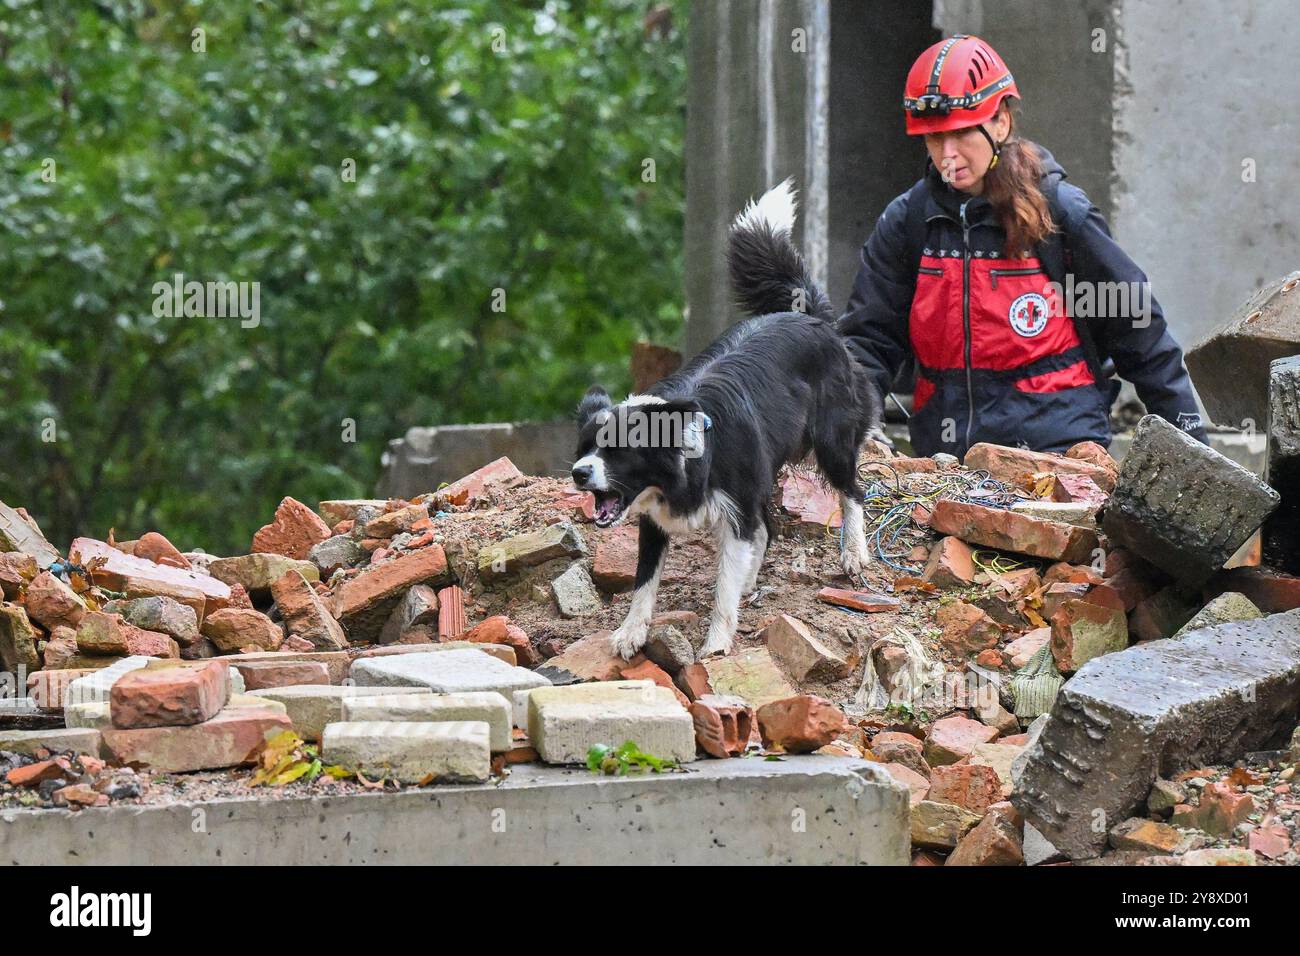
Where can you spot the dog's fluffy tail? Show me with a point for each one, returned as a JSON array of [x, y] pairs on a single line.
[[767, 273]]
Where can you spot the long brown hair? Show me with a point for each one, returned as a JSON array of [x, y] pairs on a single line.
[[1012, 188]]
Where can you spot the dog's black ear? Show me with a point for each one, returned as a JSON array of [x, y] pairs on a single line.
[[596, 400]]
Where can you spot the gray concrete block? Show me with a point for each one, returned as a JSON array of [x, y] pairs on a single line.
[[79, 740], [1281, 533], [575, 592], [1229, 365], [488, 706], [722, 812], [446, 672], [1182, 505], [565, 722], [311, 706], [410, 751], [1157, 709]]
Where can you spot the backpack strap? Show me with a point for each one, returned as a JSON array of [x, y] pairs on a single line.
[[1057, 256]]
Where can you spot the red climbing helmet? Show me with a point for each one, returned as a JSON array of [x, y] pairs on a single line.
[[956, 83]]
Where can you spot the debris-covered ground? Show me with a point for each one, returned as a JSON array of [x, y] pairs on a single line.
[[184, 676]]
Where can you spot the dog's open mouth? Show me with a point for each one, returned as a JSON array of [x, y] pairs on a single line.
[[609, 508]]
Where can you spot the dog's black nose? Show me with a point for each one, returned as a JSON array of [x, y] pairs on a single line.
[[581, 475]]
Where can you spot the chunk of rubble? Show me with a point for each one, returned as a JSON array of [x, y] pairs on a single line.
[[997, 840], [1153, 710], [293, 532], [1082, 630], [52, 603], [451, 613], [305, 613], [800, 653], [257, 572], [1181, 505], [940, 826], [17, 640], [752, 675], [163, 615], [18, 532], [561, 540], [800, 724], [234, 628], [170, 697], [1228, 363], [1228, 606], [575, 593], [951, 564], [417, 608]]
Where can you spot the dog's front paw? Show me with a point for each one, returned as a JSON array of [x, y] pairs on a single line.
[[628, 640], [854, 561], [718, 642]]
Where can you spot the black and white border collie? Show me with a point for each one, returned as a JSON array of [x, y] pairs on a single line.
[[702, 448]]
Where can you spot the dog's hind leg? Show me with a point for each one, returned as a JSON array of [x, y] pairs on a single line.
[[652, 550], [736, 558]]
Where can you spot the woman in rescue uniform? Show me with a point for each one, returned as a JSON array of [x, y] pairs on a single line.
[[1001, 281]]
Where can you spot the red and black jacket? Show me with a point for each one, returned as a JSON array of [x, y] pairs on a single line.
[[999, 356]]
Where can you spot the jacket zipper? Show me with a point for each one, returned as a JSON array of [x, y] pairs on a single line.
[[929, 271], [994, 273], [965, 321]]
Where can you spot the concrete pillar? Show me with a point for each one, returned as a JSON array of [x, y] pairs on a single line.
[[804, 88]]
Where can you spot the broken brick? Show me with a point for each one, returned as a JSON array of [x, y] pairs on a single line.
[[305, 613], [641, 669], [803, 655], [722, 725], [451, 613], [363, 603], [614, 566], [973, 786], [951, 564], [693, 681], [152, 546], [953, 738], [966, 629], [498, 629], [858, 600], [230, 739], [136, 577], [1010, 465], [265, 674], [168, 697], [800, 724], [293, 532], [477, 485], [234, 628], [1082, 630], [51, 603], [1008, 531], [997, 840]]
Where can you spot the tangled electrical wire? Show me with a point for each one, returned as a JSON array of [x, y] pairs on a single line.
[[891, 499]]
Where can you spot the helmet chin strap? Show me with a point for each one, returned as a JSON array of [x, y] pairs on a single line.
[[996, 147]]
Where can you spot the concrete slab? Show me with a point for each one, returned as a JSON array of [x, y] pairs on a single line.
[[82, 741], [448, 672], [721, 812], [488, 706]]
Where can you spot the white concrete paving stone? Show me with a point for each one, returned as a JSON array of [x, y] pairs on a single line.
[[565, 722], [92, 714], [484, 705], [95, 687], [448, 672], [311, 706], [411, 751]]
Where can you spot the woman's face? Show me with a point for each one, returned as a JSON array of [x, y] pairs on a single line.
[[962, 156]]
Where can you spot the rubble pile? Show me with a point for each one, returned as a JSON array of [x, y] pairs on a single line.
[[1043, 641]]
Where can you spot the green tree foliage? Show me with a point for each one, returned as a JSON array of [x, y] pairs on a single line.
[[497, 146]]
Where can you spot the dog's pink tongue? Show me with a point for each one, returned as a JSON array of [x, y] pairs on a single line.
[[607, 509]]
